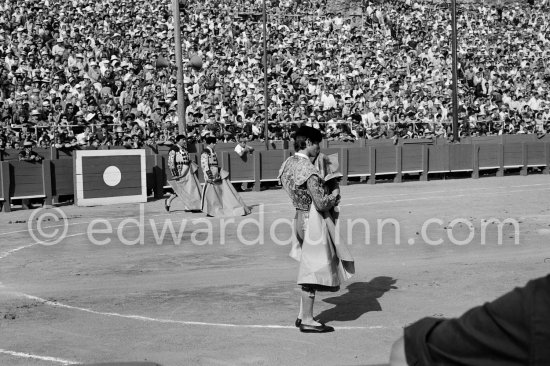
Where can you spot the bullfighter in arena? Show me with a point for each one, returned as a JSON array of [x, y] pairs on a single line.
[[219, 198], [321, 268], [184, 180]]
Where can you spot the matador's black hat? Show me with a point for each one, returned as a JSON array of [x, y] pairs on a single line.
[[210, 140], [310, 133]]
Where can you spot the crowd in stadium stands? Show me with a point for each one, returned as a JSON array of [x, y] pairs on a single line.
[[102, 72]]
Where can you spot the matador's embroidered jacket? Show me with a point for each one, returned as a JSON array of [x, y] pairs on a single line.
[[209, 164]]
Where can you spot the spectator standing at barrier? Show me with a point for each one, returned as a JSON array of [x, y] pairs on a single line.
[[184, 180], [219, 198], [27, 154], [301, 180], [244, 151]]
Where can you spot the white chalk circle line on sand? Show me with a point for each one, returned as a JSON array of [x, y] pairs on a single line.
[[180, 322], [12, 251], [37, 357]]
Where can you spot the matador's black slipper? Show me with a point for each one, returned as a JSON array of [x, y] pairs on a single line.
[[304, 328]]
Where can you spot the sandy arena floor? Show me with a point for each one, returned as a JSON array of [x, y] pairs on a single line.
[[99, 296]]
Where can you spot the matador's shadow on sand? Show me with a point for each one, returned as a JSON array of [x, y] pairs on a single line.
[[361, 298]]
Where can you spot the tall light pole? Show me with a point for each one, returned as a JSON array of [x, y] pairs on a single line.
[[182, 126], [266, 96], [455, 66]]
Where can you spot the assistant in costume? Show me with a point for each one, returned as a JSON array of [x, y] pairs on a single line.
[[184, 180], [219, 197], [313, 248]]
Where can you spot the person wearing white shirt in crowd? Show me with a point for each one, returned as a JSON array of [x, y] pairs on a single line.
[[58, 49], [82, 138], [368, 117], [328, 100], [145, 108]]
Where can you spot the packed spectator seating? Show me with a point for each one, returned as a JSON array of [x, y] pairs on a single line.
[[103, 72]]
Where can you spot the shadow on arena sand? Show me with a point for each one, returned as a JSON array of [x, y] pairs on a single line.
[[361, 298]]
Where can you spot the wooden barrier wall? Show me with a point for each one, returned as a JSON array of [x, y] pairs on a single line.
[[27, 180], [53, 177], [4, 182], [62, 177]]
